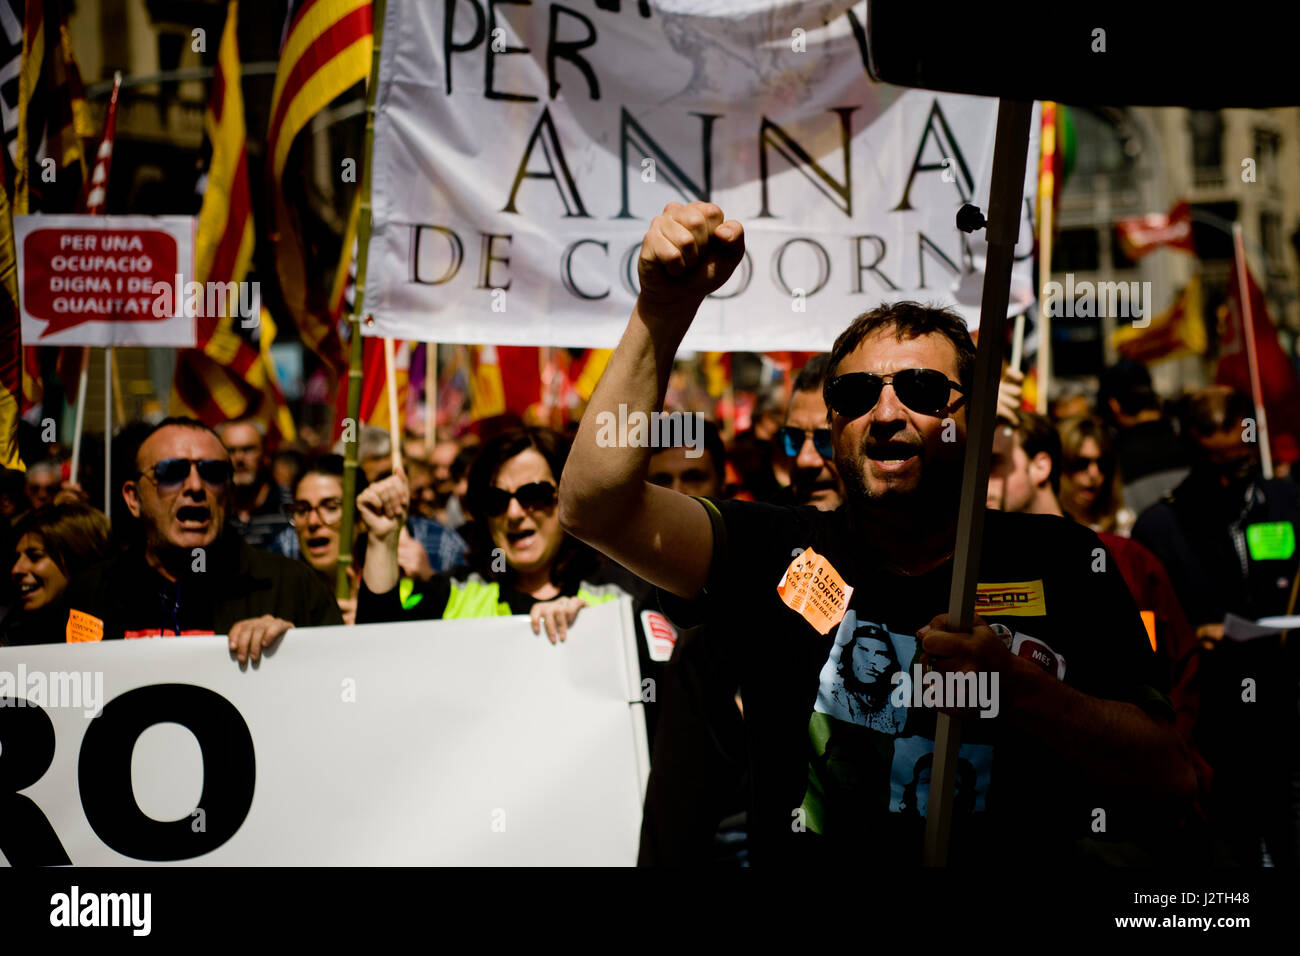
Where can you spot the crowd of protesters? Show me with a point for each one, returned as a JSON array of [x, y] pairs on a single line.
[[1190, 734]]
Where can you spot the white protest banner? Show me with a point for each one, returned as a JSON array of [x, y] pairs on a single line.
[[445, 742], [522, 149], [108, 280]]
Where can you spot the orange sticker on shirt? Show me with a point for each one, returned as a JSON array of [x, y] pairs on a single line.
[[815, 590], [1149, 622], [83, 627]]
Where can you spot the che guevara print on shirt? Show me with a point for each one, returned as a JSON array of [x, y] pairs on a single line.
[[868, 752]]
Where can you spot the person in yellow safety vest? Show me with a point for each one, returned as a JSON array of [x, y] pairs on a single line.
[[521, 561]]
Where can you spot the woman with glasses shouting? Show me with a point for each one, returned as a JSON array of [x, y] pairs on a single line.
[[520, 561], [316, 512]]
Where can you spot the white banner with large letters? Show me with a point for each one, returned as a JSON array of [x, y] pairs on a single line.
[[446, 742], [522, 148]]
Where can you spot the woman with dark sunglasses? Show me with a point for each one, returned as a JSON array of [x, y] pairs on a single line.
[[520, 562], [1090, 490]]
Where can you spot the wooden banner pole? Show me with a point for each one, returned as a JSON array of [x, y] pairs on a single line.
[[343, 584], [1006, 189]]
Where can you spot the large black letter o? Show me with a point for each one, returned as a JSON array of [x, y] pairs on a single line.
[[104, 771]]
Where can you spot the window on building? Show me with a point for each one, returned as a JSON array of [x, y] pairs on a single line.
[[1270, 235], [1076, 250], [1266, 146], [1207, 143]]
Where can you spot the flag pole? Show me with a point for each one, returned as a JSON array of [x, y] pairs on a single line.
[[1252, 359], [430, 398], [1046, 197], [1006, 189], [1018, 342], [394, 428], [83, 380], [96, 200], [343, 584], [108, 433]]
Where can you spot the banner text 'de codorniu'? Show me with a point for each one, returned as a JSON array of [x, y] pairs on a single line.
[[436, 742], [521, 151]]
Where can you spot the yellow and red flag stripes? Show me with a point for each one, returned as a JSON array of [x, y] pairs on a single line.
[[223, 247], [506, 378], [1179, 330], [230, 375], [11, 343], [52, 115], [327, 50], [593, 367], [374, 385], [246, 387]]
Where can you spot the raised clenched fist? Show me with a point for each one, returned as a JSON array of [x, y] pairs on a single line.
[[384, 506], [688, 253]]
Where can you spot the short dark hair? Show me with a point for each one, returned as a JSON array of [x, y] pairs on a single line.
[[1037, 435], [812, 376], [574, 560], [1129, 383], [712, 444], [909, 321], [1217, 408], [174, 421]]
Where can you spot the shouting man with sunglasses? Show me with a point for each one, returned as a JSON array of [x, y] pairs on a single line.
[[186, 573], [1058, 661]]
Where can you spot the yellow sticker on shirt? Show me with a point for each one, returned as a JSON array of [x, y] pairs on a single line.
[[815, 590], [83, 627], [1015, 598]]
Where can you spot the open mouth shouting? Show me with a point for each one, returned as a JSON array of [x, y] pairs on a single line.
[[319, 545], [194, 518], [892, 456]]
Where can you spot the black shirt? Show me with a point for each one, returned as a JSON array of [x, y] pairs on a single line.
[[851, 766], [236, 582]]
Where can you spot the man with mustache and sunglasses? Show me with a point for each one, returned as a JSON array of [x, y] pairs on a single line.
[[1060, 740], [187, 573]]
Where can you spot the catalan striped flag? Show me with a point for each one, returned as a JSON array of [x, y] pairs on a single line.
[[1179, 330], [48, 166], [11, 342], [326, 50], [374, 385], [230, 375], [505, 379], [52, 115]]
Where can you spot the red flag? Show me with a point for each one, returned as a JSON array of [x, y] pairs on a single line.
[[1144, 234], [1277, 376], [97, 189]]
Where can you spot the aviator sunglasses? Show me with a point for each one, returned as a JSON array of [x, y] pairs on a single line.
[[531, 497], [923, 390], [172, 472]]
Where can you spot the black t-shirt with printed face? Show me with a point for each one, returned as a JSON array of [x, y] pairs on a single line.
[[840, 753]]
